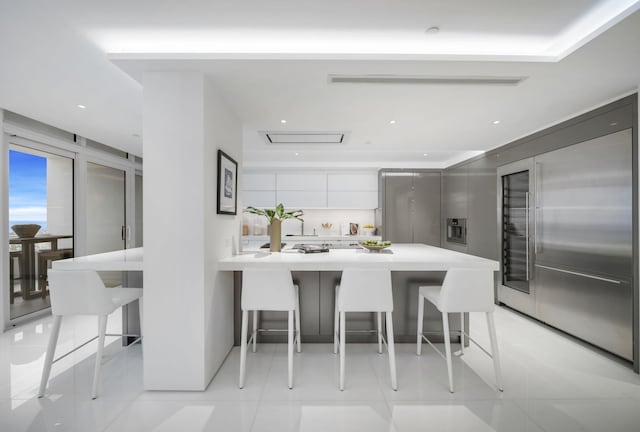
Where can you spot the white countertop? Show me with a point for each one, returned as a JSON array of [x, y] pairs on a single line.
[[314, 238], [398, 257], [122, 260]]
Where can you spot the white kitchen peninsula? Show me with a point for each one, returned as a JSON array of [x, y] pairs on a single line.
[[398, 257]]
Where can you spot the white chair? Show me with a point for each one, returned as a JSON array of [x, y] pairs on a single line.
[[336, 325], [268, 290], [367, 290], [463, 290], [82, 292]]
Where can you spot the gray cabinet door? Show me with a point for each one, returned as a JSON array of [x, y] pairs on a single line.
[[425, 208], [398, 193]]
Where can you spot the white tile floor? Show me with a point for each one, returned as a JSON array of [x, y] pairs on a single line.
[[552, 383]]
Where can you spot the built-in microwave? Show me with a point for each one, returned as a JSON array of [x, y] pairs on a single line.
[[457, 230]]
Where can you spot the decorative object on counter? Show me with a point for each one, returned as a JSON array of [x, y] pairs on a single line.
[[368, 230], [325, 228], [345, 229], [26, 230], [354, 228], [374, 245], [227, 184], [245, 229], [275, 218]]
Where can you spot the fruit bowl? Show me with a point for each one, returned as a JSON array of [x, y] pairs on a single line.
[[375, 246]]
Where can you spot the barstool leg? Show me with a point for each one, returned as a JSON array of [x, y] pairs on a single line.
[[420, 324], [392, 350], [51, 350], [461, 333], [494, 350], [336, 322], [298, 331], [255, 329], [243, 347], [102, 330], [379, 319], [342, 348], [290, 348], [447, 347]]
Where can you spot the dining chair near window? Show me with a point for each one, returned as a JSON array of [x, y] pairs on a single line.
[[82, 292]]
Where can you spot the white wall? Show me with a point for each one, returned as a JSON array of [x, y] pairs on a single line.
[[223, 130], [188, 303]]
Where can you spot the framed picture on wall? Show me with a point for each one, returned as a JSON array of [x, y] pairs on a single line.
[[227, 184]]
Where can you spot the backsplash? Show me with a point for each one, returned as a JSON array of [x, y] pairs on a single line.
[[313, 219]]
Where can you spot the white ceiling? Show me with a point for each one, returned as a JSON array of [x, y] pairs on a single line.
[[271, 61]]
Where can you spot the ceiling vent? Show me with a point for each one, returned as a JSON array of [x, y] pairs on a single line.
[[279, 137], [426, 79]]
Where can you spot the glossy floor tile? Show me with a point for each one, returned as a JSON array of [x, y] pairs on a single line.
[[551, 383]]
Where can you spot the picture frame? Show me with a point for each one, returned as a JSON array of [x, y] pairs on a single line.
[[227, 184]]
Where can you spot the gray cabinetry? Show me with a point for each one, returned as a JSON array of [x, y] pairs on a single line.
[[410, 202]]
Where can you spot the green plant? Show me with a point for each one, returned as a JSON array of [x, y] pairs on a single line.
[[276, 214]]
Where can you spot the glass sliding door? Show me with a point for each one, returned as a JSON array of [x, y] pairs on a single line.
[[40, 193], [105, 208]]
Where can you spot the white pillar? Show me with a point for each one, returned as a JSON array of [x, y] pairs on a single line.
[[188, 307]]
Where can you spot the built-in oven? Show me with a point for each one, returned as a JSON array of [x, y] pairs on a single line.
[[457, 230]]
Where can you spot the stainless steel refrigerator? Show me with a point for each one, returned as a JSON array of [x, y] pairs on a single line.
[[565, 231]]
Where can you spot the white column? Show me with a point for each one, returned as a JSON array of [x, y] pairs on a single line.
[[188, 307]]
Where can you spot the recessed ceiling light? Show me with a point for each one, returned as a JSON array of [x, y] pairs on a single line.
[[81, 106], [496, 122], [392, 122], [425, 154], [297, 154], [283, 121], [432, 30]]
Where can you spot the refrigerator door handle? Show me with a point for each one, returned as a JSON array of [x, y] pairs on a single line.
[[537, 193], [613, 281], [526, 232]]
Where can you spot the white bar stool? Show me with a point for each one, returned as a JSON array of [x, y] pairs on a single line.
[[367, 290], [463, 290], [336, 325], [268, 290], [82, 292]]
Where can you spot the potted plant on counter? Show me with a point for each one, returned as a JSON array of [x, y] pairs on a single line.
[[275, 218]]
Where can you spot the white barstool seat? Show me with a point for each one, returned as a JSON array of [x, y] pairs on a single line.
[[462, 291], [367, 290], [336, 325], [82, 292], [268, 290]]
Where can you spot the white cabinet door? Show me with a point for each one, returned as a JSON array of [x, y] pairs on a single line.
[[353, 182], [260, 199], [259, 182], [301, 182], [352, 199], [293, 200]]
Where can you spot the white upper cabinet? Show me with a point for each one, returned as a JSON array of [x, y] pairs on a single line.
[[302, 199], [339, 190], [259, 182], [352, 182], [301, 182]]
